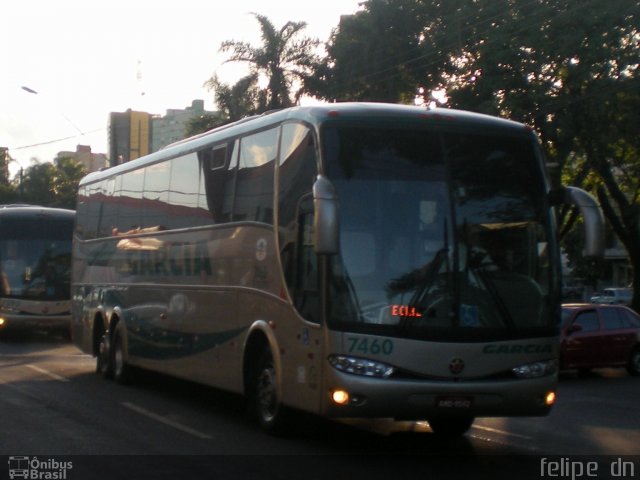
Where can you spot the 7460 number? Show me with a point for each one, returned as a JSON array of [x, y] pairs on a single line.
[[373, 346]]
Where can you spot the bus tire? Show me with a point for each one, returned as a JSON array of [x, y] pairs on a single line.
[[451, 427], [103, 358], [264, 402], [120, 367]]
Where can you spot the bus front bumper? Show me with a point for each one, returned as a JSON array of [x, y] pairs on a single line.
[[21, 322], [421, 399]]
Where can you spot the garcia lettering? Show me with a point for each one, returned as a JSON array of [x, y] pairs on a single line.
[[177, 259]]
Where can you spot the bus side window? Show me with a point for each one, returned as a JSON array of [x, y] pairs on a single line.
[[110, 190], [88, 212], [296, 173], [129, 201], [184, 190], [218, 168], [156, 194], [254, 181]]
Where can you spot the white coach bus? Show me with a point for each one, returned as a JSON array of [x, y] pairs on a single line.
[[350, 260]]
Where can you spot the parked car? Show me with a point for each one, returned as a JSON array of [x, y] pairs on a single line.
[[614, 296], [594, 336]]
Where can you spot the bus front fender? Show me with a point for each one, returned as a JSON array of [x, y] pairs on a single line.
[[261, 336]]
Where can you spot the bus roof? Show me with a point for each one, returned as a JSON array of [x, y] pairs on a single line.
[[22, 210], [315, 115]]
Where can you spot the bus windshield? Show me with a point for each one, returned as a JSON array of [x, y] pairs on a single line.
[[35, 257], [444, 235]]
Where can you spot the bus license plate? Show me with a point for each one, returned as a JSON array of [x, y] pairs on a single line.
[[454, 402]]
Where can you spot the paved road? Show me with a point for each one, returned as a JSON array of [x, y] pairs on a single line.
[[53, 404]]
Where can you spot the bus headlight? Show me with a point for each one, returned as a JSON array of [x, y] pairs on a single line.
[[361, 366], [536, 369]]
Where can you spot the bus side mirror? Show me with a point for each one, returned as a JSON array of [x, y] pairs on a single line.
[[592, 215], [325, 220]]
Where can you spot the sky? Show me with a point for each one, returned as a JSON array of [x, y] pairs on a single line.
[[80, 60]]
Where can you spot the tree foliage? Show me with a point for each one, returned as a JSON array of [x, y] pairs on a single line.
[[242, 99], [67, 174], [372, 55], [36, 184], [234, 102], [204, 123], [284, 58], [47, 184]]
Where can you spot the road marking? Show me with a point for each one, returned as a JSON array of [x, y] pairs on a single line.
[[47, 373], [166, 421], [501, 432]]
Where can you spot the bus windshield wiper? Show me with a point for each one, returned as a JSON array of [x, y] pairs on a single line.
[[422, 276], [483, 274]]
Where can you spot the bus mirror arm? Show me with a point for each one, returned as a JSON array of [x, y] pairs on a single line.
[[593, 219], [325, 220]]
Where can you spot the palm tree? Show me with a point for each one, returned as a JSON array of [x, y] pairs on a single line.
[[239, 100], [282, 58]]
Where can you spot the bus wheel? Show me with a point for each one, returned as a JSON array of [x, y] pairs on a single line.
[[633, 367], [270, 413], [451, 427], [103, 361], [121, 370]]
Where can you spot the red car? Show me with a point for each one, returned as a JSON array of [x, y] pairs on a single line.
[[596, 336]]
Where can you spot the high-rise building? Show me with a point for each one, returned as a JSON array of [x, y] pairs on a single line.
[[83, 154], [129, 136], [134, 134], [172, 126]]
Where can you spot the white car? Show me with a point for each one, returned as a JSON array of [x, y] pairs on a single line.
[[614, 296]]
